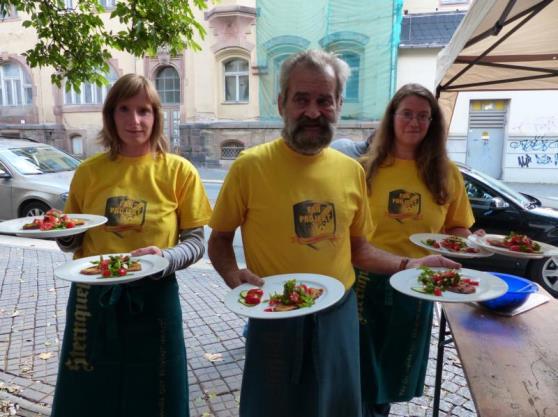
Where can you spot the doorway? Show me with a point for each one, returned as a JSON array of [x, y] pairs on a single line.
[[486, 137]]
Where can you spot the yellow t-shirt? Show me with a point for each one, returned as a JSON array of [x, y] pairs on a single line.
[[147, 199], [401, 205], [296, 212]]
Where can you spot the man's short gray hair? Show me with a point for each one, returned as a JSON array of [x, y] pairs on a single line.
[[318, 60]]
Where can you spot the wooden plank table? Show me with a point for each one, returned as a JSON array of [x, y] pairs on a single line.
[[511, 363]]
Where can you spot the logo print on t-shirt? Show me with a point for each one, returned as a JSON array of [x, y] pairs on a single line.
[[314, 222], [124, 214], [404, 205]]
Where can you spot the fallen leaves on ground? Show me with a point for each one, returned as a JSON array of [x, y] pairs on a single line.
[[8, 408], [45, 355], [12, 389], [213, 357]]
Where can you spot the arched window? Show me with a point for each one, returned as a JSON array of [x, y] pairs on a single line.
[[15, 85], [231, 148], [77, 145], [353, 83], [90, 93], [167, 83], [236, 80]]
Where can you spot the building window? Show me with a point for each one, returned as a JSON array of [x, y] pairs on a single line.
[[69, 4], [167, 83], [236, 80], [353, 83], [8, 11], [231, 148], [77, 145], [90, 93], [15, 86], [108, 4]]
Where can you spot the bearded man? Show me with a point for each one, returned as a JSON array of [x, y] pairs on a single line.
[[302, 208]]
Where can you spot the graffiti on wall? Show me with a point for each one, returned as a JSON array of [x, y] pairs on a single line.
[[536, 151]]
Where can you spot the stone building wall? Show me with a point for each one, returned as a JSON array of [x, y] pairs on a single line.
[[202, 142]]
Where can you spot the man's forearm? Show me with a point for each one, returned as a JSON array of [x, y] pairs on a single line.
[[371, 259], [221, 253]]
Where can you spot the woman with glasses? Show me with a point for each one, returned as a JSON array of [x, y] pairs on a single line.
[[413, 188]]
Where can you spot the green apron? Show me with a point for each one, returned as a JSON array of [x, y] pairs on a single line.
[[123, 352], [395, 332], [303, 366]]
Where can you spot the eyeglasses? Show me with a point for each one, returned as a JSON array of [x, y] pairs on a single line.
[[408, 116]]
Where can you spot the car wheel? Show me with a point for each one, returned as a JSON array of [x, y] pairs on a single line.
[[545, 272], [34, 208]]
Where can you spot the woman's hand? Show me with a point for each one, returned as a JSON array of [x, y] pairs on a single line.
[[149, 250], [479, 232]]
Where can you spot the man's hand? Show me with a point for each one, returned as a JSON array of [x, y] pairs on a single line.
[[433, 261], [242, 276]]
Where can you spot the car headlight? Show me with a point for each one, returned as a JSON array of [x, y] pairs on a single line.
[[63, 197]]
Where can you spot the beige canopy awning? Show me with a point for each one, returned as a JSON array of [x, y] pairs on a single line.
[[500, 45]]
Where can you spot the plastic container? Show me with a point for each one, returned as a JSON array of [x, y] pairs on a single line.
[[518, 292]]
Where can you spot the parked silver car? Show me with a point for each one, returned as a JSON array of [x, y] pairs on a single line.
[[34, 177]]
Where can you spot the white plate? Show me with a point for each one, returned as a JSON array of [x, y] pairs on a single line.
[[70, 271], [489, 287], [419, 239], [15, 226], [333, 291], [546, 249]]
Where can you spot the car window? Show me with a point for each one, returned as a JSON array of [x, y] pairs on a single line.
[[476, 192], [39, 160]]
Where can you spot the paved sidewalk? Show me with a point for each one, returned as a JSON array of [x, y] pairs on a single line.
[[32, 316]]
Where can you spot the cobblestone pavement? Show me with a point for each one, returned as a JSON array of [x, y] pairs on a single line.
[[32, 315]]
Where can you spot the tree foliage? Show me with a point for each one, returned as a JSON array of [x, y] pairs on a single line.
[[76, 43]]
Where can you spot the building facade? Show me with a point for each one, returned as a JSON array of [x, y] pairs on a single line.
[[223, 99]]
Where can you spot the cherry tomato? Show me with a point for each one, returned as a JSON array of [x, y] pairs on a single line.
[[46, 226], [256, 291], [437, 291], [122, 272], [69, 224], [252, 299], [294, 297], [106, 273]]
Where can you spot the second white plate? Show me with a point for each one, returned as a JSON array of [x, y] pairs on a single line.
[[490, 286], [70, 271], [333, 291], [419, 239]]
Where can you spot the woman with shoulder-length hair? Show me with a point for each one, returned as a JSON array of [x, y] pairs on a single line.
[[413, 188], [123, 351]]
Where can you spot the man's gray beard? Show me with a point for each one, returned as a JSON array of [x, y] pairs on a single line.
[[297, 141]]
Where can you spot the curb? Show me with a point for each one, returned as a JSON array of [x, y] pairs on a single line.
[[212, 181]]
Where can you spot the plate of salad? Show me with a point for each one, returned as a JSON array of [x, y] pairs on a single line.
[[110, 269], [449, 245], [515, 245], [54, 223], [448, 285], [286, 295]]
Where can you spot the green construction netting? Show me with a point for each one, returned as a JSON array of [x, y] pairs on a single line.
[[365, 33]]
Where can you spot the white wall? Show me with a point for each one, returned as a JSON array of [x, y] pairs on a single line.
[[531, 136], [417, 66]]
